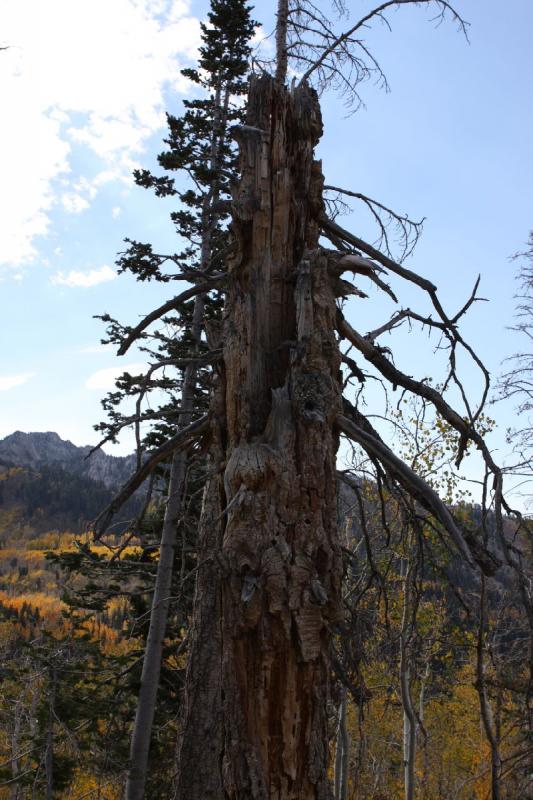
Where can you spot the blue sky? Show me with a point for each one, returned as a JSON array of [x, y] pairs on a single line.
[[85, 85]]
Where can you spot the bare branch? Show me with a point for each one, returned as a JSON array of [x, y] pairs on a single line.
[[181, 440], [398, 378], [414, 484], [450, 328], [407, 229], [397, 319], [165, 308], [403, 272], [340, 48]]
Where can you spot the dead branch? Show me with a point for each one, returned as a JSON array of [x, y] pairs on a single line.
[[330, 226], [170, 305], [397, 319], [452, 333], [449, 327], [334, 56], [181, 440], [412, 482], [397, 378], [408, 230]]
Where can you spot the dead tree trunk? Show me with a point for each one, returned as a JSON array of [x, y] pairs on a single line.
[[276, 571]]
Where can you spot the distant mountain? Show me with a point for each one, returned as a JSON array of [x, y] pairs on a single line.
[[37, 449], [47, 483]]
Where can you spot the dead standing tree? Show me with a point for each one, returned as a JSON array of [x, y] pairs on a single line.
[[269, 570], [263, 623], [278, 550]]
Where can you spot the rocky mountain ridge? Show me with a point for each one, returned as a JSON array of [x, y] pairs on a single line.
[[33, 450]]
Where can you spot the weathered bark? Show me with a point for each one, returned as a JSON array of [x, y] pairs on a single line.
[[144, 715], [263, 631], [281, 41]]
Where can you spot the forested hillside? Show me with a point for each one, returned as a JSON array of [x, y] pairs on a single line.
[[74, 621], [49, 484], [58, 657]]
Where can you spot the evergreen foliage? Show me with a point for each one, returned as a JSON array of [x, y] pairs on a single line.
[[200, 162]]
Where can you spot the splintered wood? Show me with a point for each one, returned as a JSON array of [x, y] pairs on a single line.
[[282, 395], [269, 566]]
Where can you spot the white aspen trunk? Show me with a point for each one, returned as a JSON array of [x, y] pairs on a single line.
[[487, 716]]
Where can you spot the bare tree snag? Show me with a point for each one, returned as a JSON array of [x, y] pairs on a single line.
[[279, 553]]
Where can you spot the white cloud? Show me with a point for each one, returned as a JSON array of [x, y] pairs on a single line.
[[10, 381], [78, 278], [105, 379], [74, 203], [116, 212], [81, 80]]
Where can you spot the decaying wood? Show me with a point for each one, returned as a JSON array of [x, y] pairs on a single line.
[[279, 552]]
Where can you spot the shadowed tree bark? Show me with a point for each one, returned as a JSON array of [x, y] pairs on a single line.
[[278, 550]]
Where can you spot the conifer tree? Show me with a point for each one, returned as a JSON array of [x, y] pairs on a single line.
[[199, 149]]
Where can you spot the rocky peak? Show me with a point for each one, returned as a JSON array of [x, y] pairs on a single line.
[[35, 449]]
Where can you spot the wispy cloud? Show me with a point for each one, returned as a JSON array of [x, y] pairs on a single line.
[[79, 278], [10, 381], [105, 379], [74, 203], [101, 109]]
